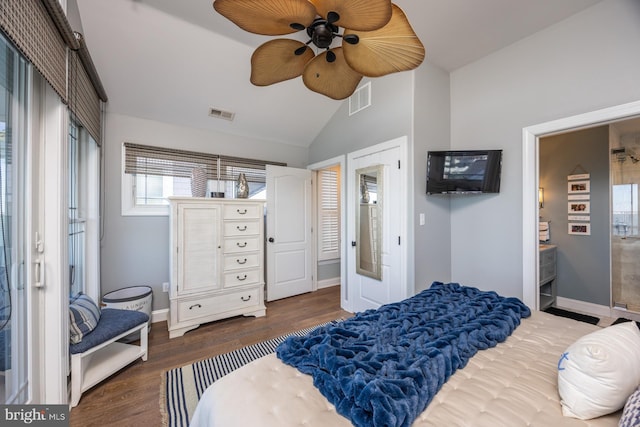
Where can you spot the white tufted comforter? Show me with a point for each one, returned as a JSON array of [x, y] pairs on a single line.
[[513, 384]]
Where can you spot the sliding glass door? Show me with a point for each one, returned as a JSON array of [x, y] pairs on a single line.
[[14, 296]]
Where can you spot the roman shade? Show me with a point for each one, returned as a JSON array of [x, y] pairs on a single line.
[[40, 30], [30, 27], [149, 160]]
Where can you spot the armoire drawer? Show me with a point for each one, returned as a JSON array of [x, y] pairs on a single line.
[[241, 210], [241, 244], [241, 261], [212, 305], [240, 278], [241, 228]]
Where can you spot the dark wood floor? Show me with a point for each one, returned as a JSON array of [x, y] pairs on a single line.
[[131, 397]]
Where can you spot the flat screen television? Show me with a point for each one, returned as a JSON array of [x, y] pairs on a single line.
[[460, 172]]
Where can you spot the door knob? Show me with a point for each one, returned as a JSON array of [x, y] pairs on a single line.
[[271, 240]]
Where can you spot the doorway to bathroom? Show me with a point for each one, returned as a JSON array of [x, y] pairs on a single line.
[[621, 190]]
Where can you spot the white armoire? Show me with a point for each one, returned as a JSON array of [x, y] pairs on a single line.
[[217, 261]]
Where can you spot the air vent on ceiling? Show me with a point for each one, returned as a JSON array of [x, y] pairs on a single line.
[[221, 114], [360, 99]]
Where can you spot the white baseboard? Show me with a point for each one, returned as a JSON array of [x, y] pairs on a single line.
[[596, 309], [327, 283], [159, 315], [621, 312], [584, 307]]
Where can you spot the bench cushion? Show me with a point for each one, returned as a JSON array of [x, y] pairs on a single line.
[[112, 323], [84, 316]]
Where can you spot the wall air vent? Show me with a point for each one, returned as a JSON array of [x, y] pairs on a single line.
[[360, 99], [221, 114]]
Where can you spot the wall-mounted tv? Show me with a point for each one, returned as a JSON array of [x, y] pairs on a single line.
[[459, 172]]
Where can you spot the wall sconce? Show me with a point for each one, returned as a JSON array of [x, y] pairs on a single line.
[[541, 197]]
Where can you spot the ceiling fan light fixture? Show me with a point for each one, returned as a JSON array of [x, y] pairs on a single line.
[[322, 33], [377, 36]]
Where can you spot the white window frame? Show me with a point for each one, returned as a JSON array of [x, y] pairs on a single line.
[[129, 207], [128, 190]]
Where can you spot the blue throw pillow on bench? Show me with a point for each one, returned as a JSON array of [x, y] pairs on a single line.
[[84, 315]]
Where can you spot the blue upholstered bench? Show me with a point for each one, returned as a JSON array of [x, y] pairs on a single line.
[[99, 355]]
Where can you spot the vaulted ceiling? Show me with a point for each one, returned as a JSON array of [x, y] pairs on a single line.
[[173, 60]]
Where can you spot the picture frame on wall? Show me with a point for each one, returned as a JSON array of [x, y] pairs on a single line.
[[578, 218], [579, 207], [580, 176], [583, 228], [578, 197], [577, 187]]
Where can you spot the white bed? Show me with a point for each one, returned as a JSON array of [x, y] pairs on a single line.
[[512, 384]]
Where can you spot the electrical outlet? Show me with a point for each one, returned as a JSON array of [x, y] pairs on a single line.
[[165, 287]]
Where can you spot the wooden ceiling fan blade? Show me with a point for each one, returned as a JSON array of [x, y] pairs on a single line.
[[393, 48], [333, 79], [267, 17], [360, 15], [276, 61]]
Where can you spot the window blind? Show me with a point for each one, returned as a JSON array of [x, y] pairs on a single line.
[[41, 31], [328, 214], [148, 160], [83, 98], [29, 26], [254, 170]]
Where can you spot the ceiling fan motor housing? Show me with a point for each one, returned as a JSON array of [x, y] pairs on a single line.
[[322, 33]]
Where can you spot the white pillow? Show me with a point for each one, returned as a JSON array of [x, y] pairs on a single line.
[[599, 371]]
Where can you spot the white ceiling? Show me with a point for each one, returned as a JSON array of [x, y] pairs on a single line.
[[171, 60]]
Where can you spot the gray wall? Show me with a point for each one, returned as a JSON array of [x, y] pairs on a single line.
[[582, 64], [432, 132], [388, 117], [583, 268], [135, 249], [587, 62]]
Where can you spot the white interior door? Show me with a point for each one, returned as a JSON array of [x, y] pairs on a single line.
[[289, 243], [366, 292]]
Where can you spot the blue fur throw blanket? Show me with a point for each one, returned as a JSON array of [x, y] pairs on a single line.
[[383, 367]]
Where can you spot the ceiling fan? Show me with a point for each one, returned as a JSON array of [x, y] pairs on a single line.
[[377, 39]]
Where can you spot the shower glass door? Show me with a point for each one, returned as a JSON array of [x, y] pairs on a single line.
[[625, 237]]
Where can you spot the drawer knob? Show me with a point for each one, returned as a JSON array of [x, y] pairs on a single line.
[[246, 299], [241, 229], [242, 278], [241, 212], [195, 306], [244, 261], [242, 245]]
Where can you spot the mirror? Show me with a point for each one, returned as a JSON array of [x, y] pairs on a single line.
[[369, 222]]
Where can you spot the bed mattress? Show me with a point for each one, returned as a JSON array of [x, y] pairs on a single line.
[[512, 384]]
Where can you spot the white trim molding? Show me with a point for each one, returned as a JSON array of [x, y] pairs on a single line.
[[159, 315], [530, 180], [339, 160]]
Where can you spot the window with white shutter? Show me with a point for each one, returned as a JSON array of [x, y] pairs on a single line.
[[329, 213]]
